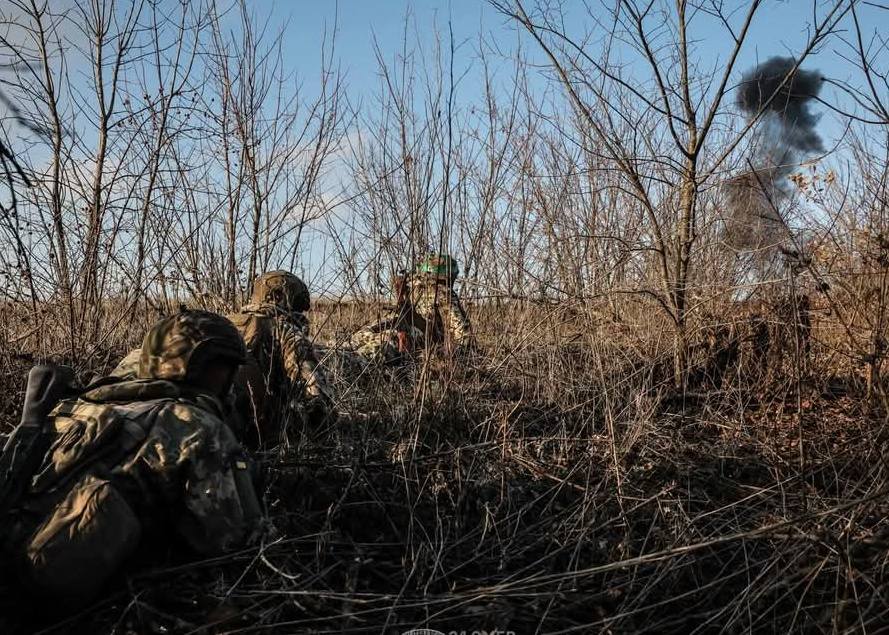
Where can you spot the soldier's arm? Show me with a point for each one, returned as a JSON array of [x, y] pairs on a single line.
[[220, 509], [188, 465], [422, 298], [128, 367], [301, 366], [454, 316]]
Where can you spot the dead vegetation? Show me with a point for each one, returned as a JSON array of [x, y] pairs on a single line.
[[556, 485], [653, 432]]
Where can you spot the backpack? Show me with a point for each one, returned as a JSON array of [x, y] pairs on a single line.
[[76, 525]]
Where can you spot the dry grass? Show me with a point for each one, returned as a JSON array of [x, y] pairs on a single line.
[[552, 482]]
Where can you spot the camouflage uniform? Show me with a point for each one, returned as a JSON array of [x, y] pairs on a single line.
[[433, 297], [128, 367], [380, 341], [134, 460], [399, 331], [283, 375]]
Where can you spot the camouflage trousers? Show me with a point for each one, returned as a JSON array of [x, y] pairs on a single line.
[[382, 345]]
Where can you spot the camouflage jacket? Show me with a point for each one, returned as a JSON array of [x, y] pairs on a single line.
[[437, 302], [130, 460], [128, 367], [291, 377]]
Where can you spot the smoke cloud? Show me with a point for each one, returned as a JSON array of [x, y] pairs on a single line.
[[789, 108], [786, 135]]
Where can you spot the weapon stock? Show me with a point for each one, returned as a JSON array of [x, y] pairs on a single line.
[[26, 446]]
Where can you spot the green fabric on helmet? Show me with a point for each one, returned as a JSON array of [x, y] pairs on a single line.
[[283, 289], [439, 265], [171, 345]]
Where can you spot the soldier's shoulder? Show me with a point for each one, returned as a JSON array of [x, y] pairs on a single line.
[[255, 311], [183, 431], [254, 325], [247, 315], [418, 282], [128, 367], [191, 416]]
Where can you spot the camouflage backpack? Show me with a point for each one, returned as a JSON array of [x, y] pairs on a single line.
[[77, 525]]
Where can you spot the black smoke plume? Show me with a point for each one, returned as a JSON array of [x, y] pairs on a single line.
[[787, 104], [786, 134]]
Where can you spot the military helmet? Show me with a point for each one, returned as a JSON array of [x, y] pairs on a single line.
[[180, 342], [441, 265], [283, 289]]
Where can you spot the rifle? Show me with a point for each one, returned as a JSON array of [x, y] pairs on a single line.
[[26, 447]]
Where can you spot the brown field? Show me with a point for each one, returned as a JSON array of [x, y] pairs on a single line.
[[553, 480]]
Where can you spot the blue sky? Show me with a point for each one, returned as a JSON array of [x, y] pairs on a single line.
[[780, 28]]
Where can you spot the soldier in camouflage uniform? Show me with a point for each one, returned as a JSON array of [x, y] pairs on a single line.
[[396, 335], [431, 290], [136, 461], [282, 377]]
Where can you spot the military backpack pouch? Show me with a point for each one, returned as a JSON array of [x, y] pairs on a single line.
[[83, 542]]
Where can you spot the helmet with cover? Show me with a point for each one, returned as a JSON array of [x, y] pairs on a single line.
[[283, 289], [178, 346], [440, 266]]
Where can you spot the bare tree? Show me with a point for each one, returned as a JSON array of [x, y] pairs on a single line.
[[277, 142], [663, 129]]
